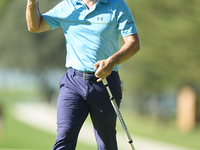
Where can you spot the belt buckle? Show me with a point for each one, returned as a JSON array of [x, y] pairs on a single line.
[[84, 76], [90, 78]]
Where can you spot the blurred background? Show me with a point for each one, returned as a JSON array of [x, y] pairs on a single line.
[[162, 98]]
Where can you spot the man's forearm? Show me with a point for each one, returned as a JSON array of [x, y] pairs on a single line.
[[130, 48], [104, 67], [33, 16]]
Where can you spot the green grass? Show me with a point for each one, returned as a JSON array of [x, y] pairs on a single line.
[[20, 136], [167, 132]]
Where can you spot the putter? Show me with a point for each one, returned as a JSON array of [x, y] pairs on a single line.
[[116, 108]]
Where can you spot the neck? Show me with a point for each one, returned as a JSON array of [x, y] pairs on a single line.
[[90, 3]]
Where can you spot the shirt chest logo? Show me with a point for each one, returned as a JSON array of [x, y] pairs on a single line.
[[100, 18]]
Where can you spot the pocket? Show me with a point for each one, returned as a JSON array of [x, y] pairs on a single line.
[[62, 80]]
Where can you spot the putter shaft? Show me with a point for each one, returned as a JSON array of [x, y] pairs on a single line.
[[116, 108]]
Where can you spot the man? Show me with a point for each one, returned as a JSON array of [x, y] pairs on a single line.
[[92, 29]]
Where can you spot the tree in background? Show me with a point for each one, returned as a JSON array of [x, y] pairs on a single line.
[[36, 53], [169, 56]]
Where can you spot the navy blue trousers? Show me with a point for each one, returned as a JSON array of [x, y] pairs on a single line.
[[78, 98]]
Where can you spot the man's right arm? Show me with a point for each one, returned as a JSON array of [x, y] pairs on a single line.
[[34, 20]]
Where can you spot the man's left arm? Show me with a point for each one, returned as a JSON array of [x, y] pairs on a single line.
[[130, 48]]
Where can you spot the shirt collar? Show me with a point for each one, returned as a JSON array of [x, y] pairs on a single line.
[[75, 1]]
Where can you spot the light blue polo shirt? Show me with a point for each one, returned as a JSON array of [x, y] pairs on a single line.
[[91, 35]]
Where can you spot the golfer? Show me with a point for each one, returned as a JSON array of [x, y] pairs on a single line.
[[92, 29]]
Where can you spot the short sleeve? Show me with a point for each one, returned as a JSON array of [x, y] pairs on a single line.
[[125, 21], [52, 16]]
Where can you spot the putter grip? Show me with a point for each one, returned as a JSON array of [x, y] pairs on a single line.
[[105, 83]]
